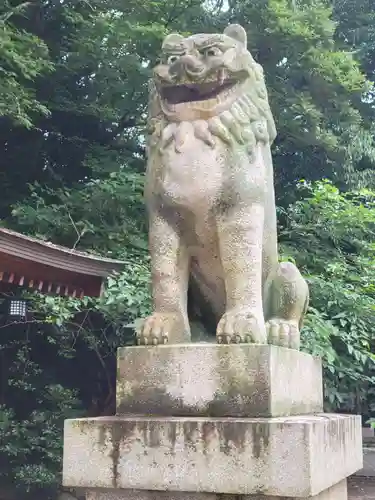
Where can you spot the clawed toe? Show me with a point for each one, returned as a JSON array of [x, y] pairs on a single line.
[[154, 330], [163, 328], [240, 326], [283, 333]]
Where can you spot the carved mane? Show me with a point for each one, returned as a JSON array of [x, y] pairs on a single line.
[[247, 121]]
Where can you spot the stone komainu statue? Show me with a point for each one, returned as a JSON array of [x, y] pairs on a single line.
[[210, 198]]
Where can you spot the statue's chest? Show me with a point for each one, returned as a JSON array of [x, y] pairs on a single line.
[[193, 174]]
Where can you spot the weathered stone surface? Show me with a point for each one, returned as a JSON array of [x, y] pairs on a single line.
[[209, 190], [150, 495], [336, 492], [218, 380], [286, 457]]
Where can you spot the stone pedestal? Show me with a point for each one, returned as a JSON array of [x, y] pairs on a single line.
[[218, 380], [195, 422], [338, 491]]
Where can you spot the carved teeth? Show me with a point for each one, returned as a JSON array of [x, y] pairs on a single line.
[[208, 104], [220, 76]]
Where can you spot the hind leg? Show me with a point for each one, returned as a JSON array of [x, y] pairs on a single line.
[[286, 305]]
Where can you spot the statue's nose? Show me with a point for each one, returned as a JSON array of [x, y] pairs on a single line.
[[186, 64]]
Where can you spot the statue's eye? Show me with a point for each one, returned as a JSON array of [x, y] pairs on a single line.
[[212, 52], [172, 59]]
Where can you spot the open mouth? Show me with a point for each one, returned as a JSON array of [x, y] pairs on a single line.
[[178, 94]]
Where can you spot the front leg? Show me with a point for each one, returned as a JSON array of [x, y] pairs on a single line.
[[240, 234], [169, 269]]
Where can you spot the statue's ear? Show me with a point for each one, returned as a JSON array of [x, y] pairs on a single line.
[[236, 32], [172, 39]]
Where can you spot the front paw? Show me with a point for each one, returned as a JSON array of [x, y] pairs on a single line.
[[161, 328], [241, 326], [283, 333]]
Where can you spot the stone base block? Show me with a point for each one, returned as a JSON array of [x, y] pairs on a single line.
[[294, 457], [336, 492], [218, 381]]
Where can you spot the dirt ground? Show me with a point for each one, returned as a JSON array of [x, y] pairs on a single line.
[[361, 488]]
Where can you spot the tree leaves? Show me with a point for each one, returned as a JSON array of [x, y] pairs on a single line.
[[331, 235]]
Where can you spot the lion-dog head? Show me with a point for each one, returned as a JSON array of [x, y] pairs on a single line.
[[213, 82]]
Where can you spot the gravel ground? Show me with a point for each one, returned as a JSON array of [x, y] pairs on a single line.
[[361, 488]]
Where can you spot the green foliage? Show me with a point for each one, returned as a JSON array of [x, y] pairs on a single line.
[[23, 58], [356, 29], [128, 294], [36, 406], [331, 236], [62, 365], [93, 215], [316, 92], [32, 447]]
